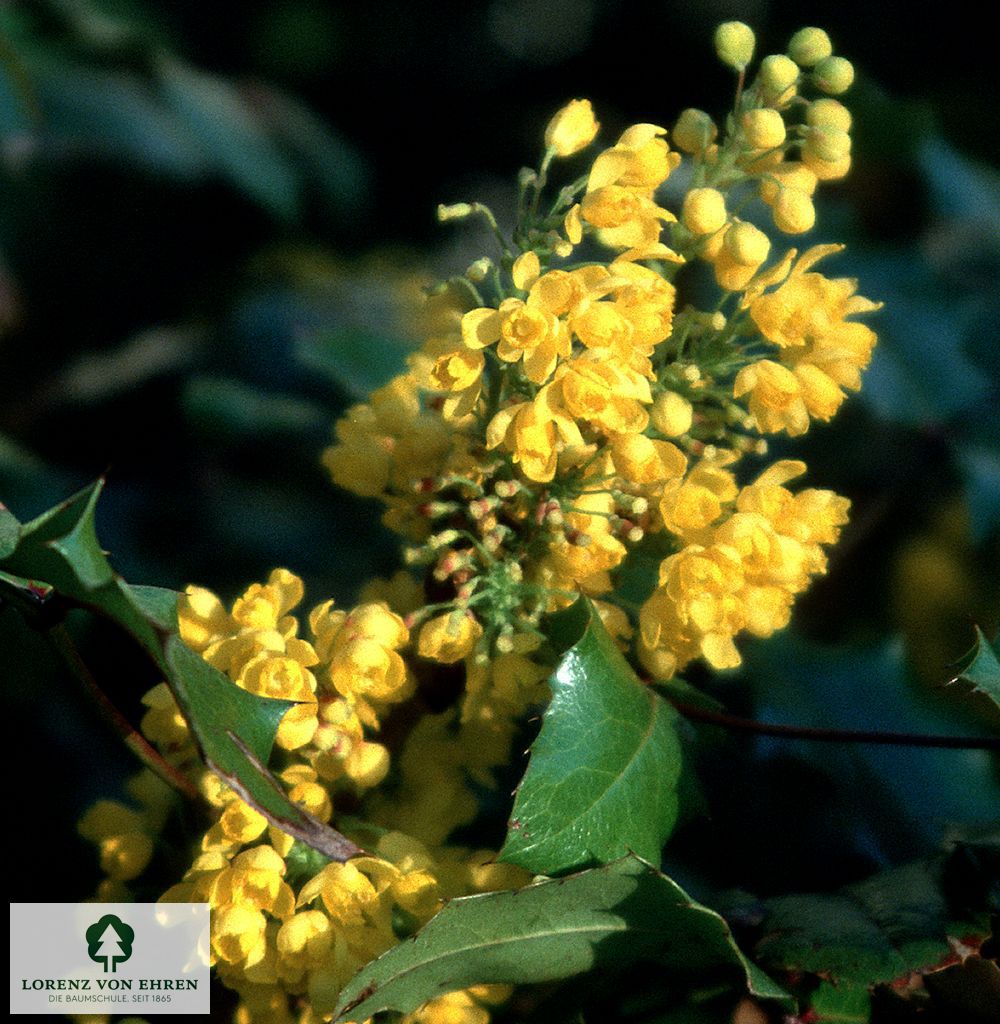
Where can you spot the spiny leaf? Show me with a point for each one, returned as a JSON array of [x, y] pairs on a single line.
[[602, 779], [902, 920], [983, 670], [840, 1004], [234, 729], [606, 918], [10, 531]]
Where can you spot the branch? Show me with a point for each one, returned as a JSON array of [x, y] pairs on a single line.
[[805, 732], [134, 740]]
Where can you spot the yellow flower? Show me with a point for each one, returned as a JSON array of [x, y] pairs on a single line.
[[691, 504], [571, 129], [453, 1008], [237, 932], [449, 638], [304, 939], [163, 724], [775, 394], [241, 823], [524, 330], [609, 398]]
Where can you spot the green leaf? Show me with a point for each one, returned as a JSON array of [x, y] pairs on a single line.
[[983, 670], [602, 779], [605, 918], [233, 140], [10, 531], [233, 728], [899, 921], [233, 409], [356, 359], [843, 1004], [235, 732]]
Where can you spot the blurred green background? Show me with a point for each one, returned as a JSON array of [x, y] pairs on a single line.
[[214, 223]]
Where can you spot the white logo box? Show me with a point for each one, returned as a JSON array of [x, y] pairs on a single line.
[[132, 959]]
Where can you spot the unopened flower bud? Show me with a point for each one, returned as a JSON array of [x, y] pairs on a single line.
[[507, 488], [453, 211], [764, 129], [794, 212], [526, 177], [828, 144], [827, 113], [704, 211], [777, 73], [694, 131], [572, 128], [809, 46], [833, 75], [671, 414], [734, 43], [747, 245], [477, 271], [505, 641]]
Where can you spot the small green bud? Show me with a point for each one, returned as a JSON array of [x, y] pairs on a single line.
[[828, 114], [809, 46], [453, 211], [763, 128], [833, 75], [734, 43], [694, 131], [777, 73], [477, 271], [828, 143]]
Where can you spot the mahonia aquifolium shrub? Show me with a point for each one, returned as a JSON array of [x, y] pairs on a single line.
[[562, 410]]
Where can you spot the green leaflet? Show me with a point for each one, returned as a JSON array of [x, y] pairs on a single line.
[[10, 532], [358, 360], [983, 670], [605, 918], [604, 770], [234, 729], [899, 921]]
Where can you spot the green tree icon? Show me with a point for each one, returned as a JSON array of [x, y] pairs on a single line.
[[109, 941]]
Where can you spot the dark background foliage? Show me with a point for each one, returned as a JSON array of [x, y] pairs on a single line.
[[208, 210]]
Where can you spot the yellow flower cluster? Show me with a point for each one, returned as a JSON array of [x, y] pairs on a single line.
[[820, 352], [287, 925], [563, 417], [564, 408], [747, 552]]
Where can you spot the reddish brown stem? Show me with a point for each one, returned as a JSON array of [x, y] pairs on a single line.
[[134, 740], [806, 732]]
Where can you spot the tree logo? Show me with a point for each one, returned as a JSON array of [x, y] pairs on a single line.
[[109, 941]]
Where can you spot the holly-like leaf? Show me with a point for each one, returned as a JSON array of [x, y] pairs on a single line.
[[845, 1004], [603, 775], [983, 668], [59, 554], [10, 531], [903, 920], [602, 919]]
